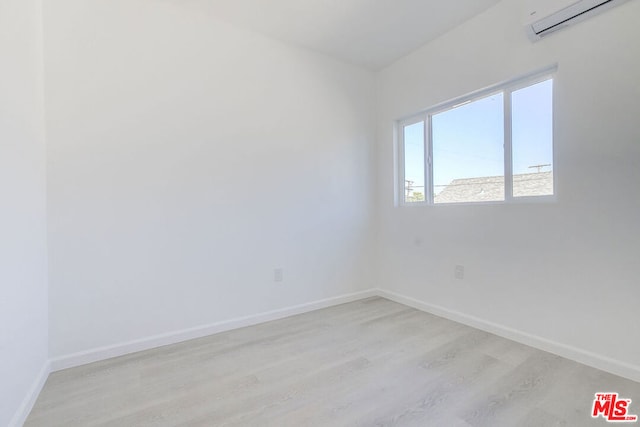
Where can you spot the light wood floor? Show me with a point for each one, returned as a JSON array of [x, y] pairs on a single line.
[[367, 363]]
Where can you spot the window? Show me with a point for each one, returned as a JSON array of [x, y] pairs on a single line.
[[414, 162], [493, 146]]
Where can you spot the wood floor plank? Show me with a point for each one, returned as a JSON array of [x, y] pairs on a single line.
[[367, 363]]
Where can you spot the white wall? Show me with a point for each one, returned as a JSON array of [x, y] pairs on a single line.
[[23, 283], [564, 272], [187, 159]]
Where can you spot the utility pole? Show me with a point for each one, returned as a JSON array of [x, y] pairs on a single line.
[[409, 187]]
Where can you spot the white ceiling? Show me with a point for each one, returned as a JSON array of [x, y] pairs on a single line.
[[371, 33]]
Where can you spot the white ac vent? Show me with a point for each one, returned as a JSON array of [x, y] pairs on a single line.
[[576, 12]]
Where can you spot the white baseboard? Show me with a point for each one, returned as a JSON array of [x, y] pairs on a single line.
[[32, 395], [597, 361], [175, 337], [585, 357]]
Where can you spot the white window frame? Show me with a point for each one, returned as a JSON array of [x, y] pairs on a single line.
[[507, 88]]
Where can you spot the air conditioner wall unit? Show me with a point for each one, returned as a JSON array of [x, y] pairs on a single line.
[[545, 17]]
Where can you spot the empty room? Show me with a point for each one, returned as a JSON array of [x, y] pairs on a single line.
[[319, 213]]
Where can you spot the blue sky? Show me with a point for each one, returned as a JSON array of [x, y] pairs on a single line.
[[467, 140]]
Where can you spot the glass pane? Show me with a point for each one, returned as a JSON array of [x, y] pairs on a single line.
[[468, 153], [414, 163], [532, 121]]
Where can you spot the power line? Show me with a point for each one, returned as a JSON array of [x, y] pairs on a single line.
[[538, 167]]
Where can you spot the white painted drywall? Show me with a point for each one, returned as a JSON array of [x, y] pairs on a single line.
[[23, 269], [186, 160], [566, 271]]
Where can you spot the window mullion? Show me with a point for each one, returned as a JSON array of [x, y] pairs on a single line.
[[429, 159], [508, 152], [401, 166]]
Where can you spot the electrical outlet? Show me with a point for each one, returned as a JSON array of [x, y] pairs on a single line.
[[278, 275], [459, 272]]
